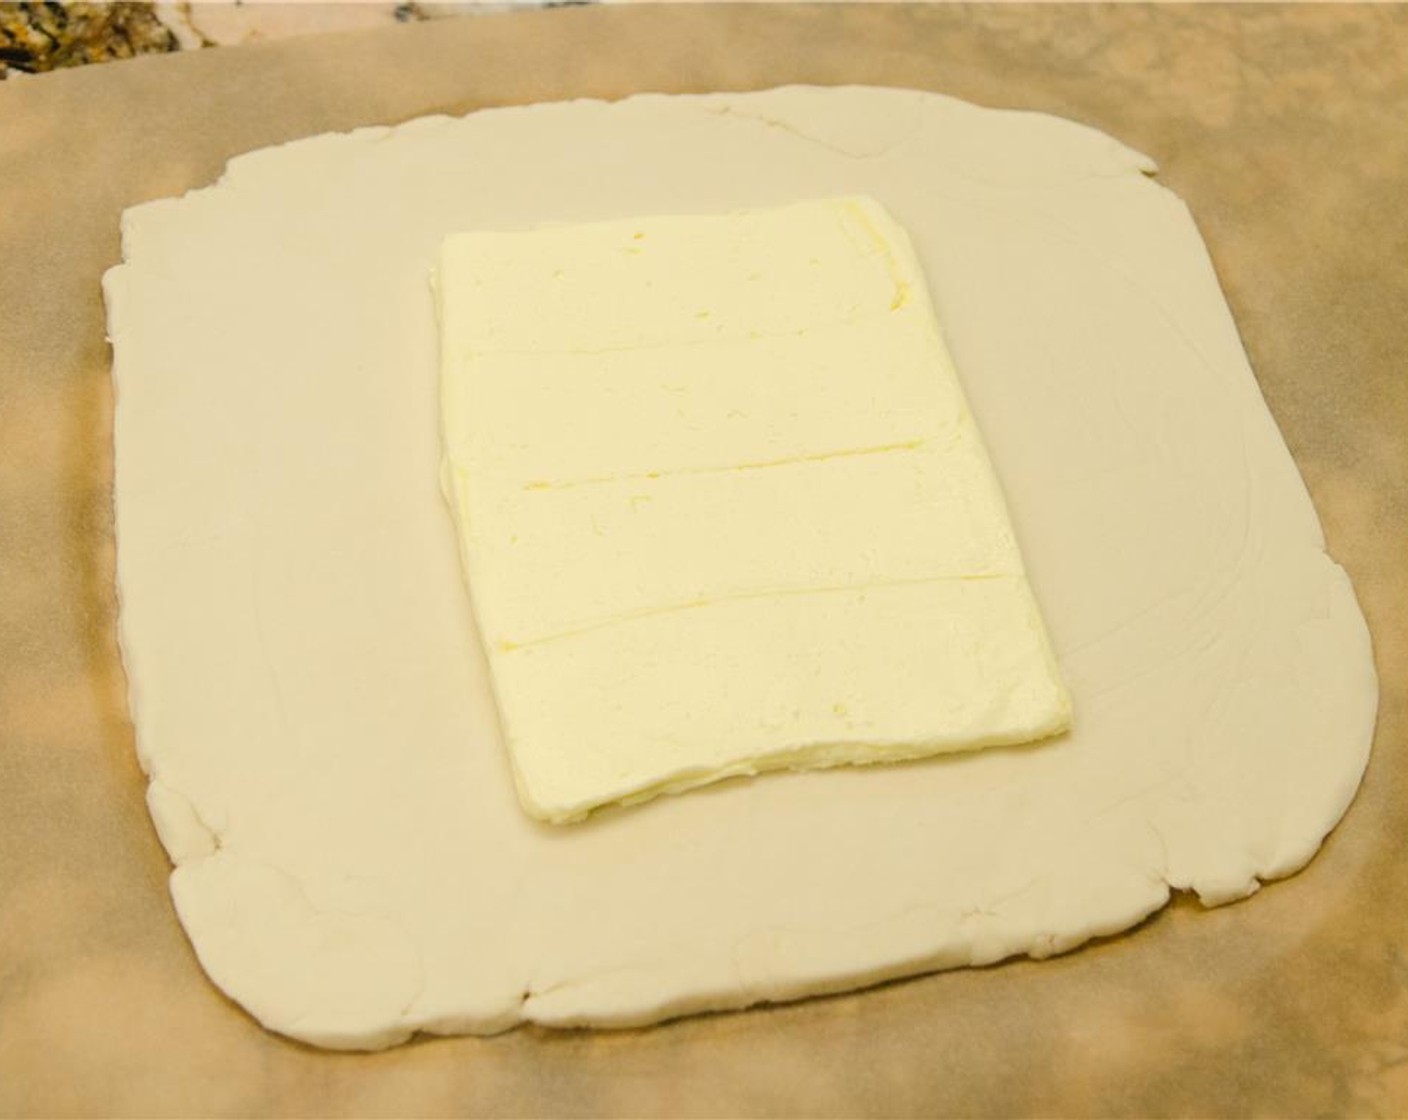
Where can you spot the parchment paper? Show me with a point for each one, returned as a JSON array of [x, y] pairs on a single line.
[[1284, 130]]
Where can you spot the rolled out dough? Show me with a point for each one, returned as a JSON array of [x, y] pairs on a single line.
[[351, 862]]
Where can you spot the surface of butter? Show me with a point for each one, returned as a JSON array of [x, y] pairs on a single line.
[[722, 506]]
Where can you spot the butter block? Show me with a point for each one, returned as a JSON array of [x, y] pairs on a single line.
[[722, 507]]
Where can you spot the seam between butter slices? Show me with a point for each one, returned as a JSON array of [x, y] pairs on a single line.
[[507, 646], [481, 349], [758, 465]]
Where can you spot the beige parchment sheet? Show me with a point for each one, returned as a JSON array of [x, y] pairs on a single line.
[[1281, 127]]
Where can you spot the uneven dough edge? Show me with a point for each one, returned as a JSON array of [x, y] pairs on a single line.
[[801, 963]]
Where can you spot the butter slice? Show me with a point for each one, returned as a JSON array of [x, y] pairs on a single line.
[[722, 507]]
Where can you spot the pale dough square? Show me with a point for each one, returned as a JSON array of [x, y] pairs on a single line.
[[309, 693], [722, 505]]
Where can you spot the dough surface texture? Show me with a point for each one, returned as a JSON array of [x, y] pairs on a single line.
[[352, 864], [722, 506]]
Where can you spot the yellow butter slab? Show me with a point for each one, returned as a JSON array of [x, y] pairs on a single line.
[[722, 506]]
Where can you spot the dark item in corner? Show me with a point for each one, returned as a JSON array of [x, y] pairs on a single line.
[[39, 37]]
